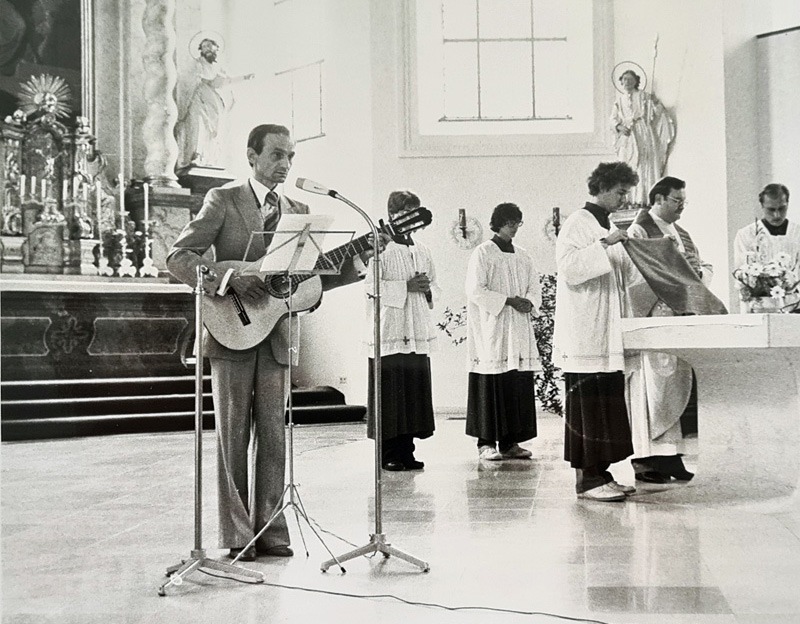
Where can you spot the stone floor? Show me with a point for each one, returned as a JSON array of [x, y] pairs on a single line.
[[90, 525]]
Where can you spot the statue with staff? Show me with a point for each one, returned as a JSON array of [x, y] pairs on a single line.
[[643, 128], [203, 126]]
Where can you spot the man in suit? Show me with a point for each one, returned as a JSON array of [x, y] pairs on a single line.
[[248, 386]]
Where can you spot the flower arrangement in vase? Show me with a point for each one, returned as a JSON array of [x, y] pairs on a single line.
[[770, 286]]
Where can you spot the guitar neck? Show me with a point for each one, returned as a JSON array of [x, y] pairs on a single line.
[[336, 256], [333, 258]]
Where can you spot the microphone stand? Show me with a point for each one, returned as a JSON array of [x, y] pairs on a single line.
[[198, 559], [377, 540]]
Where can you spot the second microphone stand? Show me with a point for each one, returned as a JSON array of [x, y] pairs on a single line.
[[377, 540]]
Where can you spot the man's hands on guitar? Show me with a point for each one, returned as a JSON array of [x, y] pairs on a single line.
[[419, 283], [248, 286], [383, 240]]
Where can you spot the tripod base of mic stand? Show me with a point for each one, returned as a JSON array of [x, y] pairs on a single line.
[[199, 562], [377, 544], [296, 504]]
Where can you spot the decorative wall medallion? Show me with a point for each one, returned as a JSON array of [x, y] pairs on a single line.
[[466, 232]]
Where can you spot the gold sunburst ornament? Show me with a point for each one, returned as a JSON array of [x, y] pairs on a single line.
[[46, 94]]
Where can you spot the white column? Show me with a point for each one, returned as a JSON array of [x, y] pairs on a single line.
[[160, 81]]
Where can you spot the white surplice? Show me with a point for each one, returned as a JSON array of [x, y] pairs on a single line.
[[500, 339], [756, 239], [590, 288], [406, 319], [658, 385]]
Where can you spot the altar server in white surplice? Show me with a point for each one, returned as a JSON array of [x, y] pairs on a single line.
[[763, 240], [408, 289], [503, 291], [659, 384], [593, 269]]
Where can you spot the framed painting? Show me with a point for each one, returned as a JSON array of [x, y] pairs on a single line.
[[53, 37]]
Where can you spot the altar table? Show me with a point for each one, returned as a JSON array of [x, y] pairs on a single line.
[[747, 368]]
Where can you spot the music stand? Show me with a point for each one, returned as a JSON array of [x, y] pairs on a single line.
[[197, 559], [291, 256]]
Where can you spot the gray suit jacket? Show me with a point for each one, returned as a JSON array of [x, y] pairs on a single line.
[[229, 215]]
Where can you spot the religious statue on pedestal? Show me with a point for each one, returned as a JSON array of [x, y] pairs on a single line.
[[203, 126], [644, 130]]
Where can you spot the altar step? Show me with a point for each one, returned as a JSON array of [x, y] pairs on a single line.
[[86, 407]]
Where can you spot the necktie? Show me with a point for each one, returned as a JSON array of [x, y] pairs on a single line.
[[272, 216], [273, 199]]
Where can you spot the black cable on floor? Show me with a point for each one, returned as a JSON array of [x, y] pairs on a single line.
[[411, 602]]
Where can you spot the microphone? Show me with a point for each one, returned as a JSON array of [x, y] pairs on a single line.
[[314, 187]]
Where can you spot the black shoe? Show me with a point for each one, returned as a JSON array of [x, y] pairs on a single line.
[[648, 469], [394, 466], [276, 551], [651, 476], [413, 464], [672, 465], [249, 554]]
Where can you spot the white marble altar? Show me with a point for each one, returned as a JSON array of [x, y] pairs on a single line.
[[747, 369]]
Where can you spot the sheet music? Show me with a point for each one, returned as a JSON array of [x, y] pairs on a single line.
[[288, 237]]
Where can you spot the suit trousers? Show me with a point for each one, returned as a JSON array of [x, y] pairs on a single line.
[[249, 407]]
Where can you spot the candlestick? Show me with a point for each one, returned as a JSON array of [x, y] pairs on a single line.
[[147, 269], [146, 188], [121, 179], [97, 203], [102, 261]]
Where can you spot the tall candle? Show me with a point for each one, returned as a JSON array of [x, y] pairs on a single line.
[[121, 201], [122, 38], [98, 204], [22, 189], [64, 191], [146, 188], [33, 187], [44, 189]]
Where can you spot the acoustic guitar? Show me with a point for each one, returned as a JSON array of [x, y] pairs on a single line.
[[239, 324]]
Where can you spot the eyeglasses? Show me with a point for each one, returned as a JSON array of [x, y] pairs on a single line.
[[678, 202]]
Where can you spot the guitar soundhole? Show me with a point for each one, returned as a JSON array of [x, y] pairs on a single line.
[[279, 286]]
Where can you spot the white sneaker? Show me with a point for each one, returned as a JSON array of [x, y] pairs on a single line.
[[618, 487], [603, 493], [517, 452], [490, 453]]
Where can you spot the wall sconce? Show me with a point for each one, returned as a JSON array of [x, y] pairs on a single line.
[[466, 232]]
